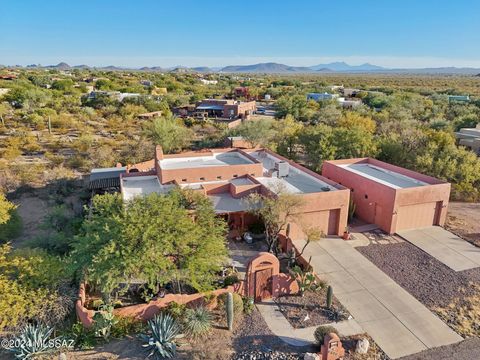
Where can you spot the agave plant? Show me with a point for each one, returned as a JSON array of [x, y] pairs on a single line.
[[197, 321], [32, 341], [161, 343]]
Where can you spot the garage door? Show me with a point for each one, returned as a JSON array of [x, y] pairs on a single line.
[[416, 216]]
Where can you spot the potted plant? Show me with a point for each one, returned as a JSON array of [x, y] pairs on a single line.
[[346, 234]]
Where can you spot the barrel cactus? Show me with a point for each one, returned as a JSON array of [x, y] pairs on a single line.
[[329, 297], [229, 310]]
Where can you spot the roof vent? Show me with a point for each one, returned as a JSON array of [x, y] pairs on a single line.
[[325, 188], [282, 167]]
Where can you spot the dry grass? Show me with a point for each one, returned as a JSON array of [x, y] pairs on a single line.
[[463, 314]]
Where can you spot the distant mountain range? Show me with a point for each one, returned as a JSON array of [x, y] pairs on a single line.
[[276, 68]]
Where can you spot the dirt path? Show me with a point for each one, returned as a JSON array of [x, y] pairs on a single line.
[[463, 219], [31, 209]]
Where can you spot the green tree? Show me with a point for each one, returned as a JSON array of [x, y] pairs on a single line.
[[286, 137], [258, 133], [170, 133], [318, 145], [353, 143], [174, 238], [276, 210]]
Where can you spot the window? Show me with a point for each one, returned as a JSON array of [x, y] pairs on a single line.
[[202, 178], [235, 175], [219, 177], [184, 180], [366, 196]]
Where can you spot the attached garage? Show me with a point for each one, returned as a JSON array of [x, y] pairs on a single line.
[[416, 216], [389, 196]]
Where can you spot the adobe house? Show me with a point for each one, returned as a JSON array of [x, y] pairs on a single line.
[[227, 108], [389, 196], [228, 176]]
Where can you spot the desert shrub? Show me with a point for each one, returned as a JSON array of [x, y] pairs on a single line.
[[321, 331], [33, 285], [230, 280], [197, 321], [175, 309], [248, 305], [237, 303], [84, 337], [12, 228], [103, 321], [126, 325]]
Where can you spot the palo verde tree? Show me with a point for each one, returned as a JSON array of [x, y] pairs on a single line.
[[162, 239], [276, 210], [170, 133]]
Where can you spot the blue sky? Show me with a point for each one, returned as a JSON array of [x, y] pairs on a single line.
[[402, 33]]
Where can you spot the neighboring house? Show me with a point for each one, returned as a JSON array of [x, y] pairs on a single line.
[[146, 82], [389, 196], [226, 108], [470, 138], [112, 94], [458, 98], [149, 115], [208, 82], [349, 92], [346, 103], [349, 103], [321, 96], [228, 176]]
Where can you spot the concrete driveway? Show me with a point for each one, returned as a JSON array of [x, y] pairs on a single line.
[[444, 246], [398, 323]]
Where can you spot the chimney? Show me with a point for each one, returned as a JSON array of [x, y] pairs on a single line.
[[158, 153]]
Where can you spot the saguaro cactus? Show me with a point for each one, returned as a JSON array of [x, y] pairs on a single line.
[[229, 310], [329, 296]]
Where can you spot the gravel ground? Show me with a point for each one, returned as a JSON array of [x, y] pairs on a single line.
[[468, 349], [296, 308], [427, 279], [253, 334]]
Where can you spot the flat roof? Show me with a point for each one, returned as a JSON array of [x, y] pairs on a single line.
[[209, 107], [383, 176], [297, 181], [133, 186], [107, 173], [219, 159], [225, 203]]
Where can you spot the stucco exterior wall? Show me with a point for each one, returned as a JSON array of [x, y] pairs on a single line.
[[317, 210], [214, 173], [378, 203]]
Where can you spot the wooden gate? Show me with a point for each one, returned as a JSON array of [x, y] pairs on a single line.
[[263, 284]]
